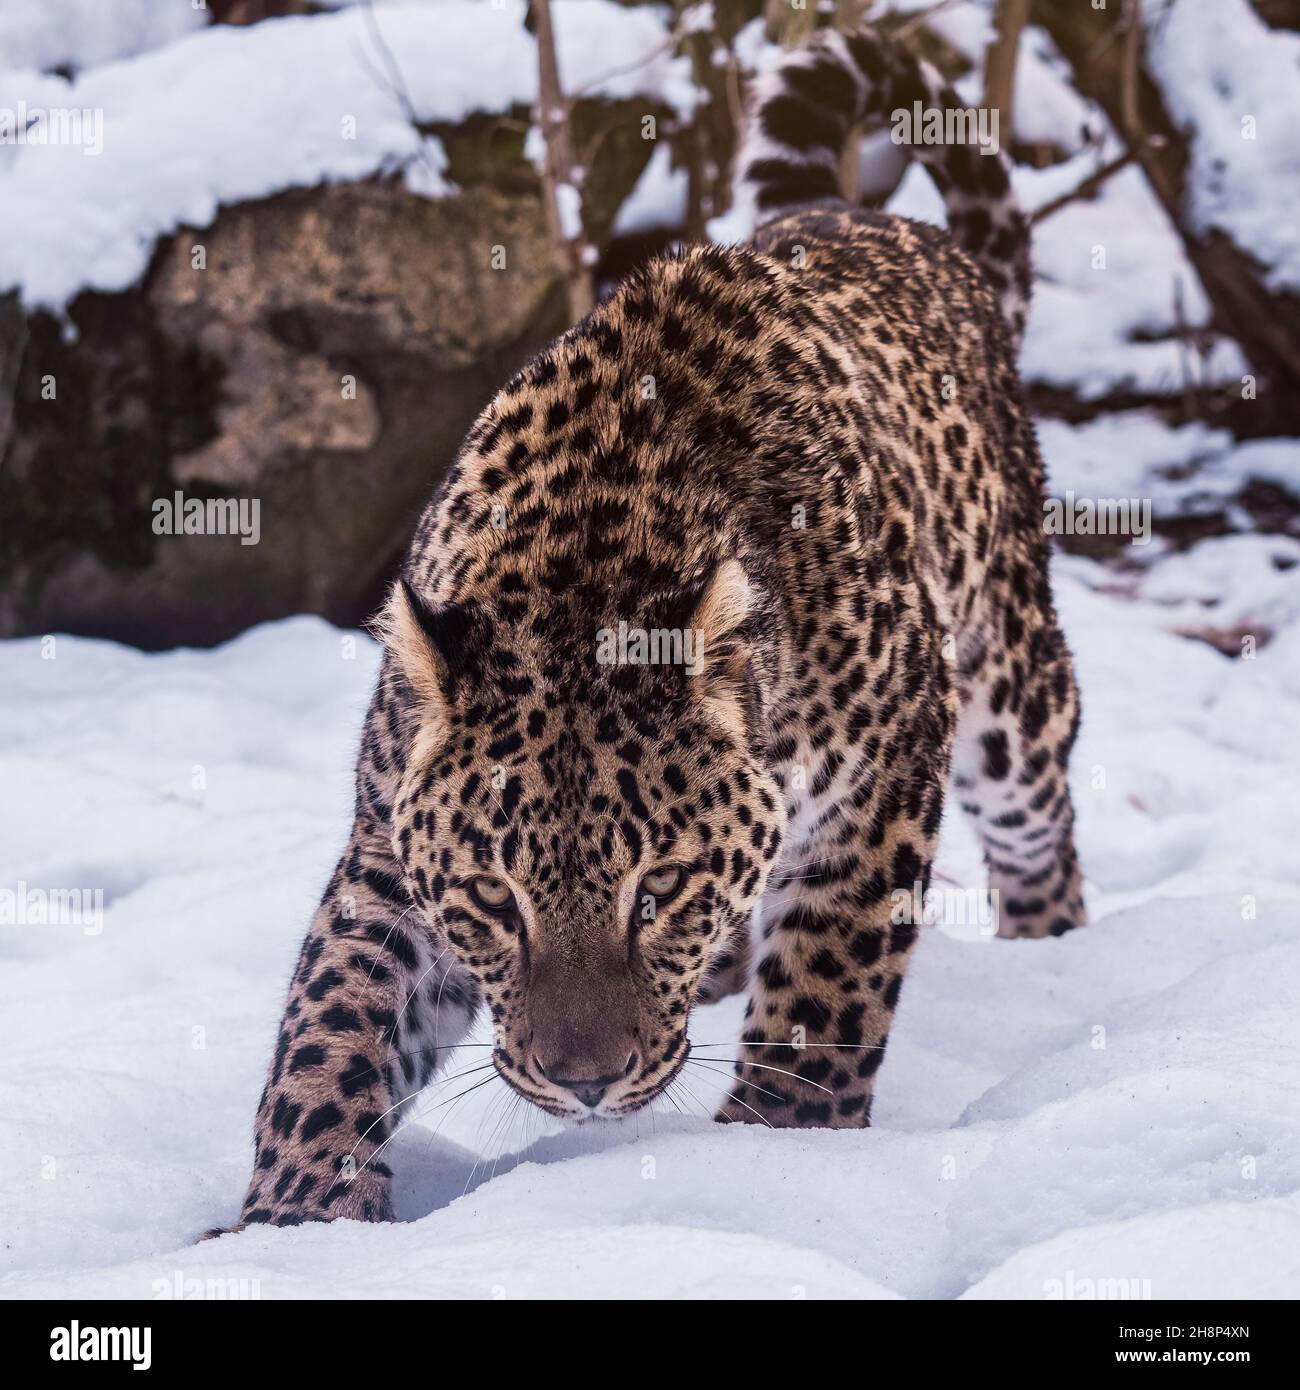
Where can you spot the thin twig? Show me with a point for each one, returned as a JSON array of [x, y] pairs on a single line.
[[396, 83], [1089, 185]]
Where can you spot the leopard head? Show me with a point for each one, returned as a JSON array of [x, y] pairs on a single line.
[[584, 816]]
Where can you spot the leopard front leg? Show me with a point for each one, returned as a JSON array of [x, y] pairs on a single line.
[[373, 1010], [838, 931]]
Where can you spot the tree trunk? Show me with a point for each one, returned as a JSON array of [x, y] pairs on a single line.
[[1000, 61]]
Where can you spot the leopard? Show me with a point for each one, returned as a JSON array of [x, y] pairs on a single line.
[[723, 592]]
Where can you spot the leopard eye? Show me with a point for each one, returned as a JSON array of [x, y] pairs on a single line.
[[662, 883], [491, 893]]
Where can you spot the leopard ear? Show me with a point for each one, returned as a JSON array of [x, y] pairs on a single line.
[[726, 602], [728, 665], [429, 643]]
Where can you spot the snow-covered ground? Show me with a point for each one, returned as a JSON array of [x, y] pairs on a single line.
[[1120, 1104], [1117, 1110]]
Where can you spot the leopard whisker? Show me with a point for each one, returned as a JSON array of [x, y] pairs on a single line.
[[455, 1076], [394, 1055], [704, 1109], [510, 1119], [794, 1047], [762, 1066], [415, 990], [437, 1004], [719, 1072], [392, 928], [380, 1148], [751, 1110], [501, 1111]]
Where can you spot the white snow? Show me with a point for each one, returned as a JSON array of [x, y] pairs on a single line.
[[1119, 1104], [659, 198], [1045, 106], [228, 114], [425, 175], [47, 34], [1234, 83], [1230, 582], [1128, 453], [568, 204], [1183, 470], [1106, 299]]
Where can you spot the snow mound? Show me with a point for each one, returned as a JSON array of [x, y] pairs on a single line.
[[227, 114], [1224, 1250]]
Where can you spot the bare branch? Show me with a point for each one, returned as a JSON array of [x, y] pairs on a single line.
[[1089, 186], [1131, 63], [562, 178]]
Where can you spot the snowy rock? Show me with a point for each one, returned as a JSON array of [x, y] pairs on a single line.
[[321, 353]]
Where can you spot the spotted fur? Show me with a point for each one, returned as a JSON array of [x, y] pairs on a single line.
[[814, 455], [807, 105]]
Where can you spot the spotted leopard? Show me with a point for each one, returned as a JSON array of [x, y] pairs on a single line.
[[722, 590]]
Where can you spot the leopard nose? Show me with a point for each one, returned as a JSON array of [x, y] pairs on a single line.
[[590, 1093], [589, 1090]]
